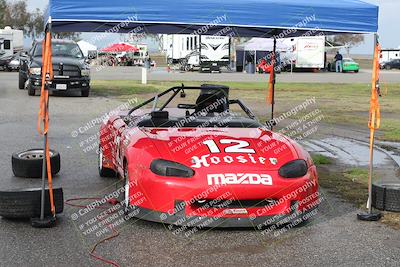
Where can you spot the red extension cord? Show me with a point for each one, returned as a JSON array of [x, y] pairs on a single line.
[[114, 234]]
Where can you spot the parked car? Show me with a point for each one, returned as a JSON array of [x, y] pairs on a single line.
[[4, 60], [392, 64], [13, 63], [263, 67], [348, 65], [70, 68]]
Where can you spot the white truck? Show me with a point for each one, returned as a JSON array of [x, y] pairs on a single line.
[[306, 53], [207, 52]]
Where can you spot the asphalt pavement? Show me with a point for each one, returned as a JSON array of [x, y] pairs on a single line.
[[161, 74], [334, 237]]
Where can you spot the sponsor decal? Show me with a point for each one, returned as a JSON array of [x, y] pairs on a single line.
[[208, 160], [239, 178]]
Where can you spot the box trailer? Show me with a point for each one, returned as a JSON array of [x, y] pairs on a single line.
[[306, 53], [206, 52], [11, 41], [389, 54]]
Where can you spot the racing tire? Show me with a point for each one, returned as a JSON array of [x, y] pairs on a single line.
[[25, 203], [29, 163], [386, 197], [31, 90], [21, 81], [85, 92], [104, 172]]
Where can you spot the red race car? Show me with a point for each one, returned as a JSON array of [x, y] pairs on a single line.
[[208, 162], [264, 67]]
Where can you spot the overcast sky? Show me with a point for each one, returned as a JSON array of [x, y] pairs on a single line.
[[389, 21]]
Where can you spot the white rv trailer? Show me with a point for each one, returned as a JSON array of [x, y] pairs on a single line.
[[305, 53], [209, 53], [389, 54], [11, 41]]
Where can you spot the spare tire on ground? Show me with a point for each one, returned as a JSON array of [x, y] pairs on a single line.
[[29, 163], [386, 197], [25, 203]]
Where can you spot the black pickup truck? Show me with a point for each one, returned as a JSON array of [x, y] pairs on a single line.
[[70, 68]]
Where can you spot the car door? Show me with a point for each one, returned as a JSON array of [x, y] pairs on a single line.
[[397, 64], [24, 61]]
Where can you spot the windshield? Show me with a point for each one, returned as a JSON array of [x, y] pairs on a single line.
[[61, 50]]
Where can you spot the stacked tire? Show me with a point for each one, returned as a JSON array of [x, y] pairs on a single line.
[[26, 203], [386, 197]]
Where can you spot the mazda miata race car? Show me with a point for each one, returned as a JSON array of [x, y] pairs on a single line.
[[207, 163]]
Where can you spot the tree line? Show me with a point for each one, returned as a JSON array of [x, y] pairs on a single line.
[[16, 15]]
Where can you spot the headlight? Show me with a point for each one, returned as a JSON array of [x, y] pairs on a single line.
[[294, 169], [85, 72], [170, 168], [35, 71]]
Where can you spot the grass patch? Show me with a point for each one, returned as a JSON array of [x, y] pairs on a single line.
[[352, 185], [344, 184], [121, 88], [357, 175], [320, 160], [343, 104]]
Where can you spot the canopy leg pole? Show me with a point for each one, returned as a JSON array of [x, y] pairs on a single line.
[[373, 124], [42, 221], [273, 83], [44, 171], [244, 62]]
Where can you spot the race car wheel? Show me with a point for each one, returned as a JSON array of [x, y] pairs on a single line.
[[85, 92], [104, 172], [21, 81], [31, 90], [386, 197], [29, 163], [25, 203]]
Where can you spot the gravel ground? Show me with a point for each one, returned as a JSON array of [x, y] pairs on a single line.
[[333, 238]]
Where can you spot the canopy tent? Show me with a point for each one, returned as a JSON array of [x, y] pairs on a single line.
[[245, 18], [256, 49], [262, 18], [263, 44], [121, 47], [86, 47]]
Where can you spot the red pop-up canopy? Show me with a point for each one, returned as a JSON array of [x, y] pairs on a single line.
[[121, 47]]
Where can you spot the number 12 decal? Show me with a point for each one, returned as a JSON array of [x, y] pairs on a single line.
[[238, 146]]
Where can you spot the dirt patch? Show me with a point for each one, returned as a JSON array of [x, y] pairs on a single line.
[[351, 185]]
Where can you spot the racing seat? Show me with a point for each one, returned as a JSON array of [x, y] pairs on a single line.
[[212, 99]]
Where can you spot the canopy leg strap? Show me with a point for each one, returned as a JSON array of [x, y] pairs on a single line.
[[271, 86], [373, 124], [43, 127]]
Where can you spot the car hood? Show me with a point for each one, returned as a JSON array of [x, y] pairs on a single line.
[[37, 61], [216, 148]]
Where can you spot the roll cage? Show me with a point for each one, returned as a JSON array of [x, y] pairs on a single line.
[[181, 89]]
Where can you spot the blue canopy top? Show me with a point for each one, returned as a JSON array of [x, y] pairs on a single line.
[[257, 18]]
